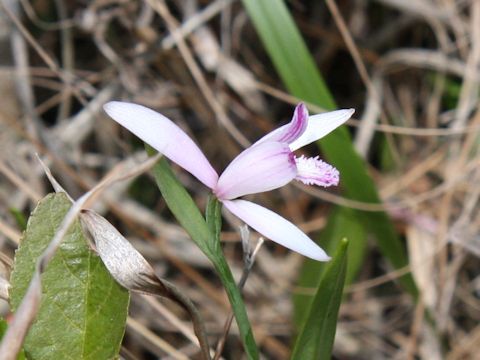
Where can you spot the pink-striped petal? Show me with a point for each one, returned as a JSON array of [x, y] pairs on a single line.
[[291, 131], [320, 125], [164, 136], [259, 168], [276, 228]]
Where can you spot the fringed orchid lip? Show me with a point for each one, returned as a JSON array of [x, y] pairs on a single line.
[[266, 165], [313, 171]]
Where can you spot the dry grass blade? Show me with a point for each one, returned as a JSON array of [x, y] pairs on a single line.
[[160, 7], [158, 342], [196, 21], [10, 232], [412, 65]]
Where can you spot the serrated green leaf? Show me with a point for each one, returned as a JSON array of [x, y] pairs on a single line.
[[316, 337], [83, 310], [297, 69]]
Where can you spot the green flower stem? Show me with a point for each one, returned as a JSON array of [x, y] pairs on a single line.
[[238, 305], [206, 237]]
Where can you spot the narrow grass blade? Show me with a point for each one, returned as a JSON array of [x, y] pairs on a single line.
[[297, 69], [288, 51], [339, 226], [317, 334]]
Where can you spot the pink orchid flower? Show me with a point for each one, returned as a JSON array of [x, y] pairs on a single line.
[[266, 165]]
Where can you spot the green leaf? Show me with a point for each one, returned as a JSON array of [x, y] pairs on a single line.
[[238, 307], [288, 51], [315, 340], [297, 69], [3, 330], [387, 159], [182, 206], [188, 215], [83, 310], [339, 226]]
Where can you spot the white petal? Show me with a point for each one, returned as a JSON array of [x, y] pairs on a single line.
[[165, 137], [276, 228], [320, 125], [259, 168]]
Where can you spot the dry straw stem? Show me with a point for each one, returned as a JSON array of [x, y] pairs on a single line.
[[382, 128], [173, 319], [416, 54], [160, 7], [194, 22], [27, 310], [366, 131], [30, 12], [409, 202], [19, 182], [468, 100], [157, 342], [66, 77], [23, 85], [11, 233]]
